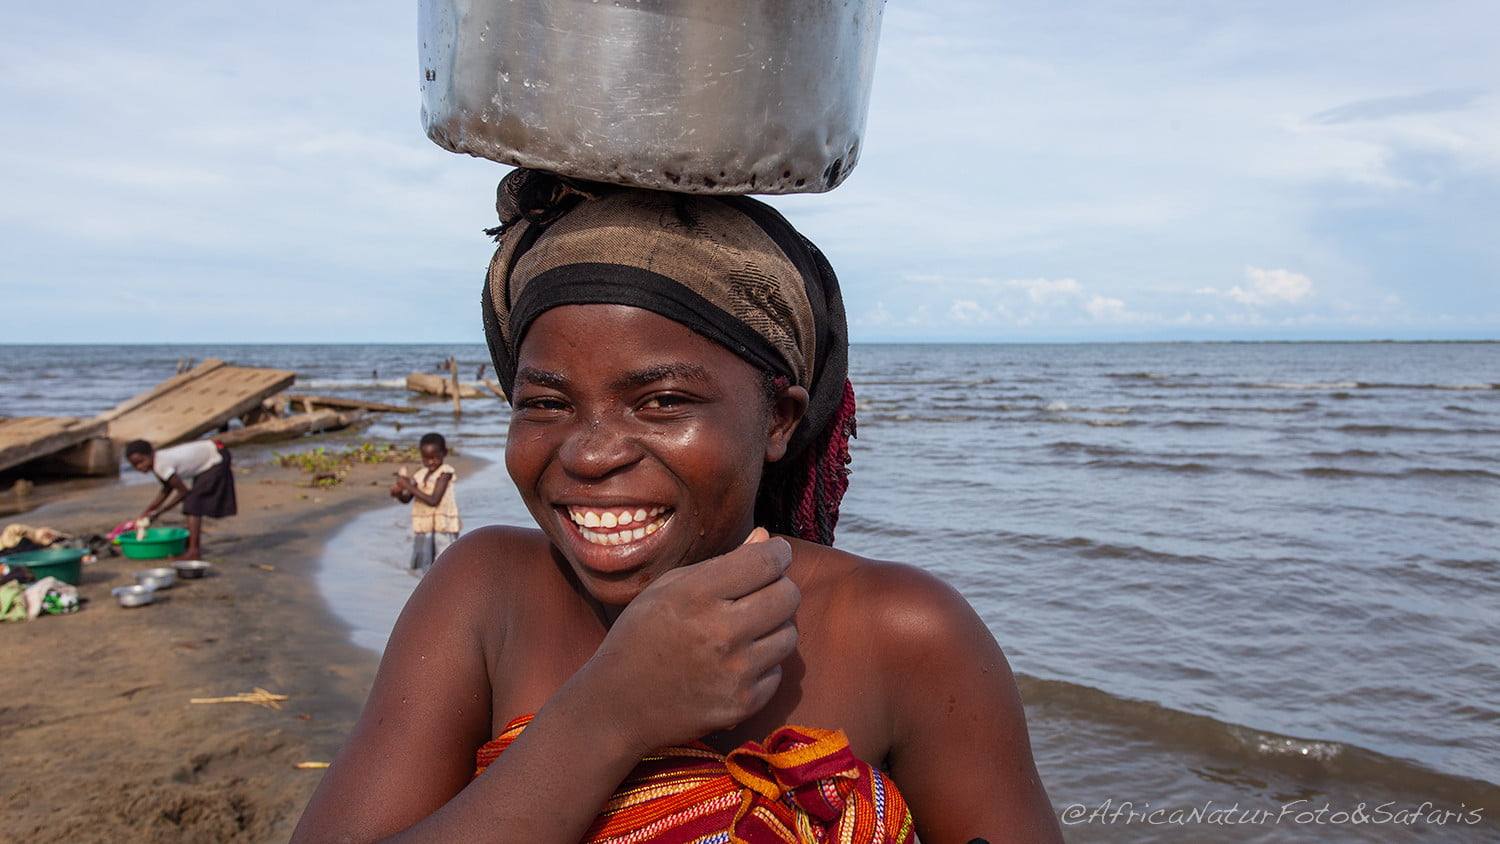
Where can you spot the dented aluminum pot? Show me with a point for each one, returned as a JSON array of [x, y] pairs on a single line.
[[701, 96]]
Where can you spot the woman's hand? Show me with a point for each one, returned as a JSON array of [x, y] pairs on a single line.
[[700, 649]]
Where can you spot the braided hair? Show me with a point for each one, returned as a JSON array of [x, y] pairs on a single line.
[[800, 496]]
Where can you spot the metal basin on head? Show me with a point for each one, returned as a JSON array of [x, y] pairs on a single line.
[[701, 96]]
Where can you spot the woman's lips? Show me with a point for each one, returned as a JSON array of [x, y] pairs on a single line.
[[617, 525]]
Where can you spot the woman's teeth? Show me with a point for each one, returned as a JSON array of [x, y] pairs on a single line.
[[616, 523]]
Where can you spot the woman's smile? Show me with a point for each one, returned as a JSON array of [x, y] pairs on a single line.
[[618, 525], [613, 541]]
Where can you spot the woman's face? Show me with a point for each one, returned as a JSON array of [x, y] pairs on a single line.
[[637, 444]]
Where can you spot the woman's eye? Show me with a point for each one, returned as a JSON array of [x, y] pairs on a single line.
[[542, 404], [664, 402]]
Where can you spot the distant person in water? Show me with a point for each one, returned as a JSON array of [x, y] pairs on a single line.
[[435, 523], [197, 475]]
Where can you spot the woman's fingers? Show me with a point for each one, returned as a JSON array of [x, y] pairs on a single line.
[[770, 650], [727, 624], [765, 609], [750, 567]]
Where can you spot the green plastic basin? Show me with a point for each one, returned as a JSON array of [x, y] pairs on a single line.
[[65, 564], [159, 542]]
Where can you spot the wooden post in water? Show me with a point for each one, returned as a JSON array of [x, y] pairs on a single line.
[[453, 371]]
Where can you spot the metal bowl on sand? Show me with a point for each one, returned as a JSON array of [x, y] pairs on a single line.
[[134, 596], [192, 569], [159, 578]]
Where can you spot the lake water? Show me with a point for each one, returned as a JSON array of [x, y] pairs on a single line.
[[1240, 583]]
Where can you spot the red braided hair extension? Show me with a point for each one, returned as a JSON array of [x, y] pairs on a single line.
[[802, 497]]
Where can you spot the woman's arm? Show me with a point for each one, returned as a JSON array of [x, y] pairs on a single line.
[[960, 752], [150, 510], [172, 492], [403, 775]]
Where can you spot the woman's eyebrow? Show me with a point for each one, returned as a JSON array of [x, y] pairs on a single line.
[[661, 372], [633, 379], [541, 377]]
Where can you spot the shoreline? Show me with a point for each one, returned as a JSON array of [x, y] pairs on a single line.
[[100, 732]]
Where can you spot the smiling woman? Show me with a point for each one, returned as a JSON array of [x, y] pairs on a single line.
[[678, 653]]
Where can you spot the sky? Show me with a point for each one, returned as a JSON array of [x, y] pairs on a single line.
[[1031, 171]]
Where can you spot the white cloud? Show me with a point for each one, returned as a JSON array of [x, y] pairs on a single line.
[[1044, 292], [965, 310], [1266, 287], [1105, 308], [1271, 286]]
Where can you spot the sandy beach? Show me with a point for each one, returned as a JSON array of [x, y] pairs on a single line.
[[102, 741]]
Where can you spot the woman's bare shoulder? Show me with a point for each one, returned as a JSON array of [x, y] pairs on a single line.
[[496, 552], [958, 746], [487, 567], [894, 600]]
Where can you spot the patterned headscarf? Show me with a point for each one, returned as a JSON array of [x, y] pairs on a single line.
[[729, 267]]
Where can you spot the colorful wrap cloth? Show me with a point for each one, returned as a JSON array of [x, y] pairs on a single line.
[[802, 786]]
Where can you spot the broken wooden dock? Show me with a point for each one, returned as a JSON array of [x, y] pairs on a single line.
[[203, 399], [310, 403], [438, 385], [67, 440], [295, 425]]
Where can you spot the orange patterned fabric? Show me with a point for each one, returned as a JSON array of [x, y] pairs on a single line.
[[801, 786]]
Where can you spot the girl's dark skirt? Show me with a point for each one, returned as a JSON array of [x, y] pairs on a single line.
[[212, 493]]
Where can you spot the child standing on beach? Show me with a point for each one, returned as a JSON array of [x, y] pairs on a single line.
[[434, 507]]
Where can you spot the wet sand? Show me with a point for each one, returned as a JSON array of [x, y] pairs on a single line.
[[101, 740]]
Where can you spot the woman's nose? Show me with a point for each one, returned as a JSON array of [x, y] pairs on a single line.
[[596, 447]]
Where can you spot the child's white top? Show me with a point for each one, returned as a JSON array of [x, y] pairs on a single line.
[[186, 461]]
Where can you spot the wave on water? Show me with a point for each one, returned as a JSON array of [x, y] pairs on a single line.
[[1385, 430], [1192, 423], [1094, 449], [915, 417], [1362, 385], [1305, 759], [1303, 407], [1085, 547], [1065, 407], [1295, 385], [1352, 453], [1419, 472], [1461, 387]]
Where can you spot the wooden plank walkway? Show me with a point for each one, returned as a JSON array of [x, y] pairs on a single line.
[[30, 437], [308, 402], [194, 403], [287, 427]]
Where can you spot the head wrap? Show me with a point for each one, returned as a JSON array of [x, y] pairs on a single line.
[[729, 267]]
